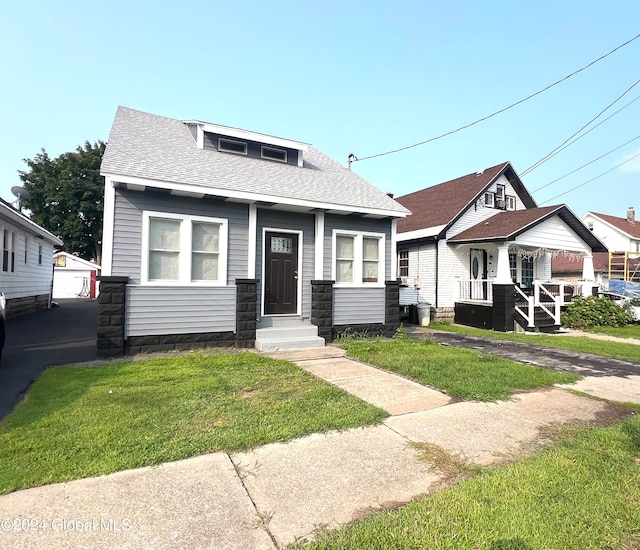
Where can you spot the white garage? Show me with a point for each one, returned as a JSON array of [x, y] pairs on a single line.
[[74, 277]]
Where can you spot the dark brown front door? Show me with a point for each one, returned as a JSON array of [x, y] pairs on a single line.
[[281, 273]]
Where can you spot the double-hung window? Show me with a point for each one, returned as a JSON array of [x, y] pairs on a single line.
[[181, 249], [8, 250], [358, 258]]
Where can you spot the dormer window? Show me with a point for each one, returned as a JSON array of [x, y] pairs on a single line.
[[272, 153], [227, 145], [499, 191], [488, 200], [511, 202]]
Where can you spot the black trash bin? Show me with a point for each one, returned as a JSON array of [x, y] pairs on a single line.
[[413, 314]]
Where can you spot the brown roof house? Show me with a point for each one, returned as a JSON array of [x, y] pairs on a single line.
[[479, 250]]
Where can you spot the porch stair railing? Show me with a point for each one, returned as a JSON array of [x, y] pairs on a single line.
[[545, 298]]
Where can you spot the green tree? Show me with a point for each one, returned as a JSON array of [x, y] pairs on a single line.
[[65, 197]]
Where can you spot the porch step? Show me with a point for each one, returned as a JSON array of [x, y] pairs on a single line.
[[293, 337]]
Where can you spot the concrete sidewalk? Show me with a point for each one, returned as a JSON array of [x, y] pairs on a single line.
[[273, 495]]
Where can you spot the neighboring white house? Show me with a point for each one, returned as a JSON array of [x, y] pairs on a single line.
[[26, 265], [467, 235], [74, 277], [617, 234], [622, 237]]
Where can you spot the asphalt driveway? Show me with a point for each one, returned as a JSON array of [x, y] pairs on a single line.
[[57, 336], [584, 364]]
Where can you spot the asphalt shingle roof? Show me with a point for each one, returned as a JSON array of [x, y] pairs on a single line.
[[440, 204], [164, 150], [505, 224], [622, 224]]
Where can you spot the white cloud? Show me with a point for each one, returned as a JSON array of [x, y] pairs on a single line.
[[633, 166]]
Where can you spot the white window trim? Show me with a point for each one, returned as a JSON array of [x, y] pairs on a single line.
[[300, 274], [222, 149], [490, 202], [358, 258], [185, 250], [511, 202], [264, 148]]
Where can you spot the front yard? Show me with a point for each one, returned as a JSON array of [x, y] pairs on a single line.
[[84, 421], [462, 373]]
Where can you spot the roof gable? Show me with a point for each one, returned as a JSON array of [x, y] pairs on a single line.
[[163, 152], [506, 226], [10, 213], [622, 224], [443, 204]]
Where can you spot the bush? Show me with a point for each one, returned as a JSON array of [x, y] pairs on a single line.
[[595, 311]]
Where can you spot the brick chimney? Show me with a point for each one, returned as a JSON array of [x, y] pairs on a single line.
[[631, 215]]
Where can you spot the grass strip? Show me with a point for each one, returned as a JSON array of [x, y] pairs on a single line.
[[81, 422], [582, 493], [461, 373]]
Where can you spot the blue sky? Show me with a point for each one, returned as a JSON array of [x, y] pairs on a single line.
[[348, 77]]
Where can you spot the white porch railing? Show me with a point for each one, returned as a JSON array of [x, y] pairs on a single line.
[[549, 296], [476, 290]]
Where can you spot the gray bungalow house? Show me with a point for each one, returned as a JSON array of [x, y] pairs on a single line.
[[217, 236]]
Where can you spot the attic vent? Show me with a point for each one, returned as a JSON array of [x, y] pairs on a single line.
[[232, 146], [272, 153]]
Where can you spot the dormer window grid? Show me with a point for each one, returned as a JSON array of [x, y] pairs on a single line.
[[271, 153], [227, 145]]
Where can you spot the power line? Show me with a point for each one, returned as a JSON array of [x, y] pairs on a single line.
[[592, 179], [594, 127], [355, 159], [584, 165], [561, 146]]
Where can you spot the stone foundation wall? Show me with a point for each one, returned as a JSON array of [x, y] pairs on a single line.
[[444, 315], [28, 304], [177, 342]]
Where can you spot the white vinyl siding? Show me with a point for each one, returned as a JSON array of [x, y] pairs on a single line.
[[29, 263], [553, 234]]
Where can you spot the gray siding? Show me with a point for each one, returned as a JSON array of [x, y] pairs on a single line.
[[294, 222], [127, 232], [155, 310], [355, 223], [353, 306]]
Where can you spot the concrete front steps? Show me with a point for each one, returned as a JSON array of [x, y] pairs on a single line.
[[291, 336]]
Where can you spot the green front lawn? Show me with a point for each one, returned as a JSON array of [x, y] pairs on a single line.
[[630, 331], [462, 373], [583, 493], [80, 422], [584, 344]]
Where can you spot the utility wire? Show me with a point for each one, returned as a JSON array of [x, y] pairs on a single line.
[[594, 127], [584, 165], [561, 146], [589, 181], [356, 159]]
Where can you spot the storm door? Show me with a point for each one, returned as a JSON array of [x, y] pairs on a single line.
[[478, 268]]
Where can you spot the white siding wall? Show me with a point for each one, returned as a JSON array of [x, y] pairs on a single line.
[[453, 266], [154, 310], [30, 279], [422, 265], [612, 238], [553, 233]]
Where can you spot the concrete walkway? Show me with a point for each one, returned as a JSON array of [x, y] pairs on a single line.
[[273, 495]]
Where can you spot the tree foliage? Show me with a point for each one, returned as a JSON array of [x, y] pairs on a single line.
[[66, 196]]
